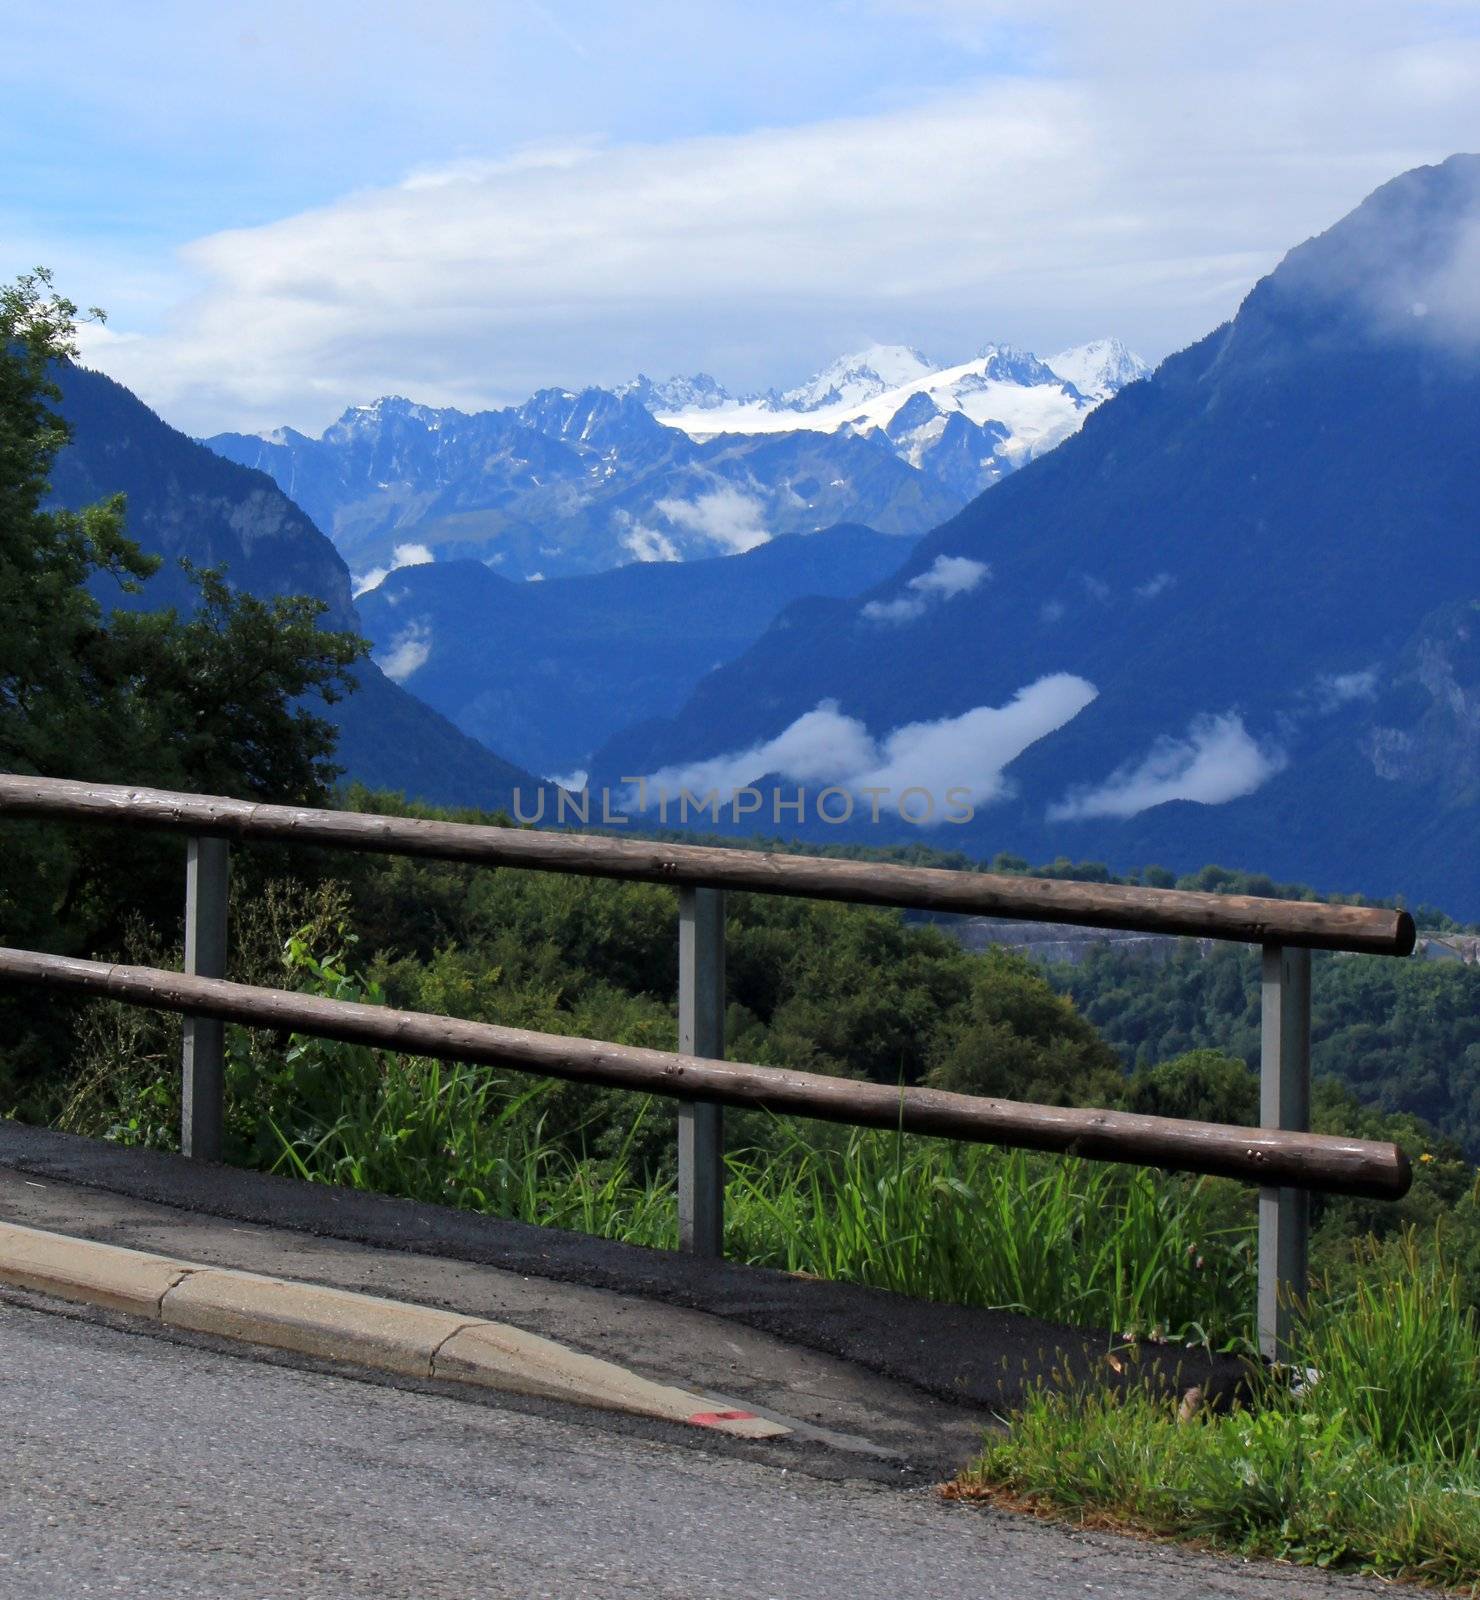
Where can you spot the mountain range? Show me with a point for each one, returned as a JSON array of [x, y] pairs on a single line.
[[1229, 610], [1235, 616], [583, 481]]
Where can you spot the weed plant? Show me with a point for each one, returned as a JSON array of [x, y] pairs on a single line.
[[1368, 1462]]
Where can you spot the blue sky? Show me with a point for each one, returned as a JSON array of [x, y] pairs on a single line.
[[287, 209]]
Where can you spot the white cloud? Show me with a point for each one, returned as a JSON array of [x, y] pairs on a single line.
[[944, 579], [823, 746], [1333, 690], [408, 652], [1150, 163], [1218, 761], [404, 555], [1155, 586], [645, 543], [966, 752], [724, 516]]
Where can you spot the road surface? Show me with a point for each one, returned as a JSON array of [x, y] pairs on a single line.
[[138, 1466]]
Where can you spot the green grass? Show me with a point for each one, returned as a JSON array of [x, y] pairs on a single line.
[[1373, 1465], [1063, 1239]]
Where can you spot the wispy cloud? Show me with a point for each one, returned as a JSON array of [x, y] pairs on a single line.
[[967, 752], [645, 543], [1337, 689], [1135, 175], [1216, 762], [944, 579], [404, 555], [408, 652], [726, 517]]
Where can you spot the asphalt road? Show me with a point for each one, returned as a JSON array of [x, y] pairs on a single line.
[[964, 1356], [139, 1467]]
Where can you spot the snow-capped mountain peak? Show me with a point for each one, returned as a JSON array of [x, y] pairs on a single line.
[[1005, 363], [378, 413], [700, 392], [574, 480], [852, 379], [1098, 369], [1009, 405]]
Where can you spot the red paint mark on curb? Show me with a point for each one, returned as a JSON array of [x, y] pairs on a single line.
[[707, 1419]]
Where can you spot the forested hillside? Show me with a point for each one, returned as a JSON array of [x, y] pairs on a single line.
[[1401, 1035]]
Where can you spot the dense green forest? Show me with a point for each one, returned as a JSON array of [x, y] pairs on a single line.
[[1401, 1035]]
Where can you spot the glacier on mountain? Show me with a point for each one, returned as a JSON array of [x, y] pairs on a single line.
[[1017, 405], [1099, 369]]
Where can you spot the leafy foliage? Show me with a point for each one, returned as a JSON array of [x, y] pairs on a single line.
[[1021, 1041]]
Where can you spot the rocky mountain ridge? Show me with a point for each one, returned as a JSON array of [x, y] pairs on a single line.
[[578, 481]]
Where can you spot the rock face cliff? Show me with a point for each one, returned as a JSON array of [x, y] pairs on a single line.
[[184, 500]]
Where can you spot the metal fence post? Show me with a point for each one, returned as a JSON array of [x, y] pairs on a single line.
[[207, 873], [701, 1032], [1284, 1102]]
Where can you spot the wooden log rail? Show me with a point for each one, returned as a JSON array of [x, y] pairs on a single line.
[[1284, 1158], [1262, 1156], [1246, 918]]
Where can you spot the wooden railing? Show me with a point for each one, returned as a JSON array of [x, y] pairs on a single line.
[[1282, 1156]]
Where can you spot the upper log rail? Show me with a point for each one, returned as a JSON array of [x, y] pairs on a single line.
[[1244, 918], [1264, 1156]]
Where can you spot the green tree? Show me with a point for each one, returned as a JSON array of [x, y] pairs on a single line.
[[1201, 1085], [215, 701], [50, 626], [1020, 1040]]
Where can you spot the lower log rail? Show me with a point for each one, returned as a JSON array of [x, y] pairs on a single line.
[[1317, 1162]]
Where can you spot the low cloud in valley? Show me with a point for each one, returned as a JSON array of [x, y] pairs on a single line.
[[404, 555], [1217, 761], [966, 752], [944, 579], [408, 652]]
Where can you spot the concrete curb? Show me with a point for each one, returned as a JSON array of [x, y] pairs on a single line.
[[389, 1335]]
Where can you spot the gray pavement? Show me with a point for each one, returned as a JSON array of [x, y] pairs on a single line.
[[140, 1467], [146, 1461], [855, 1421], [974, 1360]]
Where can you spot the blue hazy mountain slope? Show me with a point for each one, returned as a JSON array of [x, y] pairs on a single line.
[[184, 500], [1242, 597], [546, 672]]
